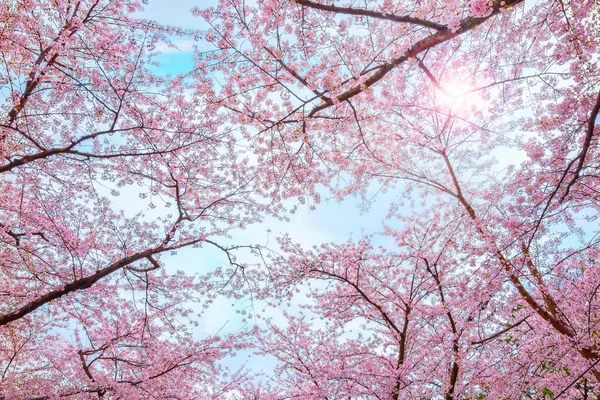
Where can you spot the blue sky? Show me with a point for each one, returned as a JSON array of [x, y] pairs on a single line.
[[176, 13]]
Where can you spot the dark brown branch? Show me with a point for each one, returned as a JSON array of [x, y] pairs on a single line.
[[579, 377], [79, 284], [155, 265], [433, 79], [34, 78], [585, 148], [296, 75], [387, 319], [17, 236], [580, 159], [63, 150], [454, 368], [499, 333], [508, 267], [89, 281], [407, 19], [86, 367], [401, 354]]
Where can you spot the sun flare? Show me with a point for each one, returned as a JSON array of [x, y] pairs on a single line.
[[457, 94]]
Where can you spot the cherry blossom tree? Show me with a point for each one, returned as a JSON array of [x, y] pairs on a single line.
[[404, 305], [87, 307], [480, 116], [485, 111]]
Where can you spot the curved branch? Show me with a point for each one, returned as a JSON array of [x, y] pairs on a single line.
[[407, 19], [499, 333], [79, 284], [586, 146]]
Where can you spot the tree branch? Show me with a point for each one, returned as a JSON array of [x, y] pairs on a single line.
[[407, 19]]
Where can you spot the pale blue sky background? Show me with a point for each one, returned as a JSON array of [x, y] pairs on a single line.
[[177, 13]]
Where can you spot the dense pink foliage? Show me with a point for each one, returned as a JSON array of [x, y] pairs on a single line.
[[480, 115], [87, 306]]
